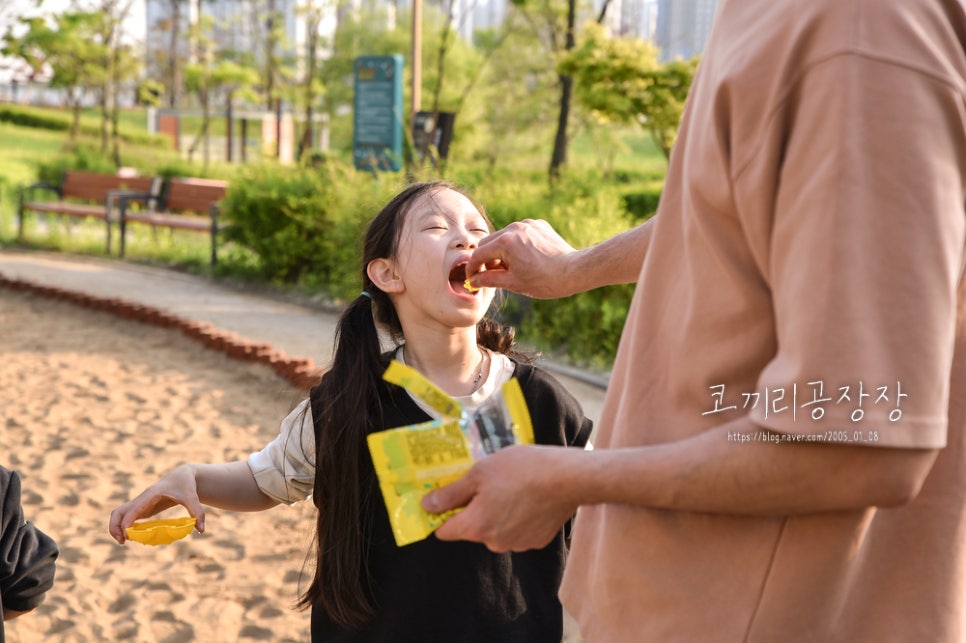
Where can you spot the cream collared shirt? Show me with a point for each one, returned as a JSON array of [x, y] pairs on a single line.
[[284, 469]]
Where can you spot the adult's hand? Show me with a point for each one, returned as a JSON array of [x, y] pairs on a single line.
[[179, 487], [527, 257], [512, 500]]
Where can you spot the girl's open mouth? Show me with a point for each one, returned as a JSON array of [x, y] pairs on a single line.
[[458, 281]]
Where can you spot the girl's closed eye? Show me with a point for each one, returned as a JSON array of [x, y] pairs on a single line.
[[435, 225]]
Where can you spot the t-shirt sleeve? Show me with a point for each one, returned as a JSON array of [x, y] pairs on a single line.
[[27, 554], [866, 254], [284, 469]]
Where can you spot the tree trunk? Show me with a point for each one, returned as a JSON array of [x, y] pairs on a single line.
[[76, 105], [173, 73], [105, 115], [312, 45], [114, 107], [559, 156], [441, 55], [270, 65]]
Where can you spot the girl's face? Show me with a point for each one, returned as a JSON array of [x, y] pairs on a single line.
[[425, 280]]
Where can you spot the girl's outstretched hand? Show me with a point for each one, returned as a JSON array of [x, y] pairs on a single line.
[[179, 487], [513, 499]]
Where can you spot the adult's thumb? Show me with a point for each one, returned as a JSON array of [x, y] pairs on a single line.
[[452, 496]]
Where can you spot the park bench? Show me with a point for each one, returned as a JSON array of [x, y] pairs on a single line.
[[184, 204], [81, 194]]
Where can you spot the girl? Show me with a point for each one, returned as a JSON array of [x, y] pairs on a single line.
[[365, 588]]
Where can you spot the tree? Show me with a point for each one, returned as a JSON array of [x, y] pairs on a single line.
[[620, 79], [211, 80], [170, 51], [558, 26], [119, 64], [67, 48], [514, 102], [311, 85]]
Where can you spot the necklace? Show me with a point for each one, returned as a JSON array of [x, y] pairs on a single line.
[[477, 380], [479, 373]]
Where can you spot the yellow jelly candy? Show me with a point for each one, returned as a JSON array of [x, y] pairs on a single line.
[[466, 284], [160, 532]]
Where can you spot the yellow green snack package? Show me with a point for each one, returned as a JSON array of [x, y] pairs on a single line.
[[413, 460]]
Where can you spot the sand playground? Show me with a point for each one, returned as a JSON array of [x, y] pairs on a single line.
[[98, 402]]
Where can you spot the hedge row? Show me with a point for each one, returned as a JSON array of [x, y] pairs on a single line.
[[60, 121]]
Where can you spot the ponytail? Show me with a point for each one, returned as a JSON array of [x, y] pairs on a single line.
[[346, 408]]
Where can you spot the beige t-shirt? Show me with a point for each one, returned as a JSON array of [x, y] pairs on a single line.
[[802, 272]]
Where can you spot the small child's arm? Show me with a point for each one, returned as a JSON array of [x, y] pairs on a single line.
[[226, 486], [27, 554]]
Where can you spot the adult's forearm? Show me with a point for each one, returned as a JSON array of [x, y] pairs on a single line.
[[718, 472], [617, 260], [518, 498]]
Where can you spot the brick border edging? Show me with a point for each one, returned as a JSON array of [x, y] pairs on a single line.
[[301, 372]]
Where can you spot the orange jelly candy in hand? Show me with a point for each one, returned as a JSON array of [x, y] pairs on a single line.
[[160, 532]]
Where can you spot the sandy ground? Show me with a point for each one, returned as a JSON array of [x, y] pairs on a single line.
[[93, 408]]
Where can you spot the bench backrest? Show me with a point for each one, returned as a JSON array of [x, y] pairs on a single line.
[[94, 186], [193, 195]]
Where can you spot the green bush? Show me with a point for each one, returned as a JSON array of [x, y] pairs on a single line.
[[585, 327], [79, 157], [33, 118], [285, 217], [641, 204], [585, 211], [304, 224]]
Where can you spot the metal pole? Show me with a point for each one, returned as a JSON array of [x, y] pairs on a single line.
[[229, 130]]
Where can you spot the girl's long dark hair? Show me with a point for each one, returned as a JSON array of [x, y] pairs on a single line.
[[347, 409]]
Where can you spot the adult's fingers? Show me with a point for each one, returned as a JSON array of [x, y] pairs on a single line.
[[452, 496]]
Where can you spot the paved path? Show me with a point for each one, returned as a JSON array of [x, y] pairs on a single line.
[[297, 330]]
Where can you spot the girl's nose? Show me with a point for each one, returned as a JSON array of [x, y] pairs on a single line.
[[465, 241]]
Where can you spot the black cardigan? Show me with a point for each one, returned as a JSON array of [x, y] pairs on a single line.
[[460, 592], [26, 554]]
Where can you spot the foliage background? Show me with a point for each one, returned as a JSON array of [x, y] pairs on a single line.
[[298, 228]]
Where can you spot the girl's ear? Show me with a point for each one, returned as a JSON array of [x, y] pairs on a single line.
[[383, 275]]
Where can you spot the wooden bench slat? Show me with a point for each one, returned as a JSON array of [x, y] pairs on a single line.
[[194, 195], [181, 221], [71, 209], [93, 186], [78, 186], [184, 204]]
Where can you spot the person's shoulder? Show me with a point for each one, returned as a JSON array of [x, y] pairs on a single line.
[[9, 487], [557, 415], [6, 475], [538, 383], [10, 509]]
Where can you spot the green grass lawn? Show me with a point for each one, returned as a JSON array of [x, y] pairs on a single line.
[[22, 148]]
